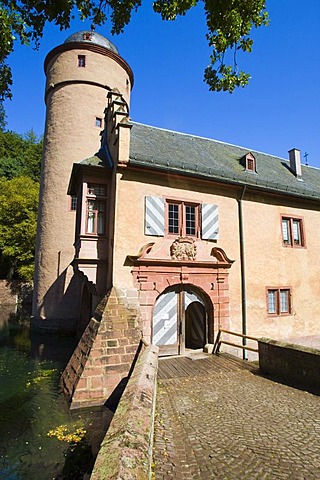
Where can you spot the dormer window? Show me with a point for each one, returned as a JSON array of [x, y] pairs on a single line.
[[250, 163], [87, 36]]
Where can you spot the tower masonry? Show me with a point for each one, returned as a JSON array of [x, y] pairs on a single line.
[[79, 74]]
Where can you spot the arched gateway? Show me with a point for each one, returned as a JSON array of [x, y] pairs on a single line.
[[182, 300], [180, 320]]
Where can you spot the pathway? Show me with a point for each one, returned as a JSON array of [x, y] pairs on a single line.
[[217, 418]]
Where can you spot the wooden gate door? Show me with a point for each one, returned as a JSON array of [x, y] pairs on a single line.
[[195, 317], [179, 321], [165, 329]]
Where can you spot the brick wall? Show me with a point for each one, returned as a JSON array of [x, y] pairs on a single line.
[[105, 352], [126, 451]]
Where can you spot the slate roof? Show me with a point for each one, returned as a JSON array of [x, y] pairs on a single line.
[[94, 161], [93, 37], [170, 151]]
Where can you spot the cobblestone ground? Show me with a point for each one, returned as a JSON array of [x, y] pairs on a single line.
[[234, 424]]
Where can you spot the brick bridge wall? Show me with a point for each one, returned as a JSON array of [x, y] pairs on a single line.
[[126, 451], [105, 352]]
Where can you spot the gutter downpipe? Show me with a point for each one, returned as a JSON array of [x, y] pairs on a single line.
[[242, 274]]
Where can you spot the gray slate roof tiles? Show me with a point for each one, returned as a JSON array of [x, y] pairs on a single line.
[[157, 148]]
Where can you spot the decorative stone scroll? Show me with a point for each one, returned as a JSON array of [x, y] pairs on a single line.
[[183, 248]]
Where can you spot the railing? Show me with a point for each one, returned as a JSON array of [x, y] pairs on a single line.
[[219, 341]]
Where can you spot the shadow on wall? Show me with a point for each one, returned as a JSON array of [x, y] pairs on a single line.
[[60, 307]]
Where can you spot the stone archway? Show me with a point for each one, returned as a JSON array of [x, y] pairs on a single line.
[[154, 272]]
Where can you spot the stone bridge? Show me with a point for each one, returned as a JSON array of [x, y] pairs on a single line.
[[217, 417]]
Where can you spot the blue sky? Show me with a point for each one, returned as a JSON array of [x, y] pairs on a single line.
[[279, 110]]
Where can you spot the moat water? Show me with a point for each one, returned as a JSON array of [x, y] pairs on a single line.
[[32, 405]]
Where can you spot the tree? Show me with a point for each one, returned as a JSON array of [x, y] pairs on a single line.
[[20, 155], [18, 218], [229, 24], [3, 121]]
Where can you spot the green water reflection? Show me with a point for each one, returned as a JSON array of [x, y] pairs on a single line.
[[31, 405]]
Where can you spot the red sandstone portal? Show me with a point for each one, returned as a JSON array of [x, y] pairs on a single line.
[[206, 279]]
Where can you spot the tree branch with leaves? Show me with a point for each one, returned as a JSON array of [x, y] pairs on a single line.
[[229, 27]]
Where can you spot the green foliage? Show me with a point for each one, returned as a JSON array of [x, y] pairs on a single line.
[[229, 24], [18, 216], [20, 155], [3, 117]]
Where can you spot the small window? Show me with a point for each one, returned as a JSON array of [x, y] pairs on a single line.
[[97, 190], [250, 163], [73, 202], [81, 60], [173, 218], [96, 209], [182, 218], [98, 122], [292, 232], [87, 36], [279, 301]]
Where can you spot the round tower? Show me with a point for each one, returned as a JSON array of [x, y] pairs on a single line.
[[79, 73]]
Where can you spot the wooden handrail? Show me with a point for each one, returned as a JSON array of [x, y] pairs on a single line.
[[218, 341], [239, 334]]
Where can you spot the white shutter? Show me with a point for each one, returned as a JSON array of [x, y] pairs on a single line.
[[209, 222], [154, 216]]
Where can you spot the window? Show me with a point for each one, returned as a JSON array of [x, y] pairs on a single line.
[[250, 163], [81, 60], [292, 232], [87, 36], [73, 202], [96, 209], [98, 122], [183, 218], [279, 301], [175, 217]]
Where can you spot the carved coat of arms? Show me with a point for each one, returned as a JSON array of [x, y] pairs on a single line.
[[183, 248]]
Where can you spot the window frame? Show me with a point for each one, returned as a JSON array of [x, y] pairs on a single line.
[[291, 241], [278, 309], [182, 218], [99, 199], [250, 163], [73, 202], [98, 122], [82, 61]]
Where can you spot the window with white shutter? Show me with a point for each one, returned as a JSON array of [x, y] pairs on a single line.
[[181, 218]]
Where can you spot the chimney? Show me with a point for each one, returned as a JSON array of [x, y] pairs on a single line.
[[295, 162]]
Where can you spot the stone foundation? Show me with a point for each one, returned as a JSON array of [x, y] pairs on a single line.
[[105, 352]]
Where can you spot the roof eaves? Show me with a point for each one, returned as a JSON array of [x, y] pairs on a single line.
[[256, 183]]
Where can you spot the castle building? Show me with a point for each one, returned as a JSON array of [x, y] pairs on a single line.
[[190, 233]]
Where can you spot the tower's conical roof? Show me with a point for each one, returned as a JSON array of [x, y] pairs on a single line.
[[89, 36]]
